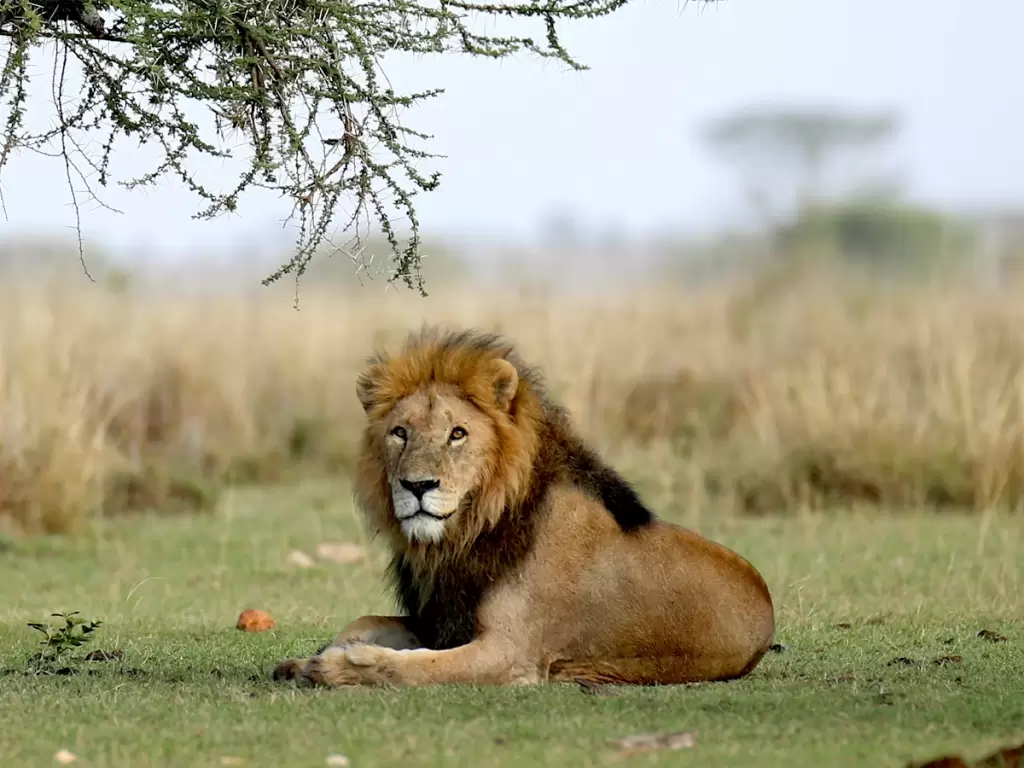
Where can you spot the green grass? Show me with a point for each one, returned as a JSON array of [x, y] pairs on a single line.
[[191, 689]]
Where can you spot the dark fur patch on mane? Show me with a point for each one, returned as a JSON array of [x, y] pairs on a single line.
[[591, 474], [447, 616], [442, 593]]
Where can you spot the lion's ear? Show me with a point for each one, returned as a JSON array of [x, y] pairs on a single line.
[[367, 385], [505, 382]]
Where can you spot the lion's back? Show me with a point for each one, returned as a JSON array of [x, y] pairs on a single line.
[[604, 589]]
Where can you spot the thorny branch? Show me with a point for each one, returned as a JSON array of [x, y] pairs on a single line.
[[273, 70]]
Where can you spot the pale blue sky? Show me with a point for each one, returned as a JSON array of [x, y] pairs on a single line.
[[616, 146]]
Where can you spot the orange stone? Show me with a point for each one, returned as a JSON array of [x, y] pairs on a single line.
[[254, 620]]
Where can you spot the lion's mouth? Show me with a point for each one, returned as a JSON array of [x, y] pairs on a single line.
[[421, 512], [424, 513], [408, 508]]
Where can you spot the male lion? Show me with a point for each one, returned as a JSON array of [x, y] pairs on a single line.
[[518, 555]]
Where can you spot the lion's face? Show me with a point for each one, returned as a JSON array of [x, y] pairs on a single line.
[[437, 449], [449, 443]]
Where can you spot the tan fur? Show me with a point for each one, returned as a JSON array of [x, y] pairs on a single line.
[[537, 562]]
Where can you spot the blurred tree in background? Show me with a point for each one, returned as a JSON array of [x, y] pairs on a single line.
[[788, 158], [817, 181]]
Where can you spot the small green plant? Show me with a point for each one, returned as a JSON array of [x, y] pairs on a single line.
[[60, 640]]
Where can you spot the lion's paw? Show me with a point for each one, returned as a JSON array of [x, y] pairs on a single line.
[[332, 668], [289, 669]]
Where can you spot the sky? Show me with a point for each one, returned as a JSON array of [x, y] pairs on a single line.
[[616, 147]]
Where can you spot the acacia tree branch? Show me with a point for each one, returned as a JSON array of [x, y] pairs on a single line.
[[283, 74]]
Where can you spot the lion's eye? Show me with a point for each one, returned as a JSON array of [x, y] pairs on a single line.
[[457, 434], [399, 432]]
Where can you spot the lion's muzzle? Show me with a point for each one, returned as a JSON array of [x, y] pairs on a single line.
[[419, 487], [422, 508]]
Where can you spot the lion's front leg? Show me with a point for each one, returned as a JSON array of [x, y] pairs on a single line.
[[386, 631], [483, 661]]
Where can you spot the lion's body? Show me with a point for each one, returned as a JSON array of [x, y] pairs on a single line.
[[518, 555]]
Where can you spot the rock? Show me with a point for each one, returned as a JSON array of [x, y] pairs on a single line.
[[299, 559], [254, 620], [342, 553]]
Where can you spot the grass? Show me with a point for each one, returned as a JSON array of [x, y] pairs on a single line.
[[115, 402], [190, 689], [886, 422]]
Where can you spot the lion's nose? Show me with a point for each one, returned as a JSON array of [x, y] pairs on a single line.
[[418, 487]]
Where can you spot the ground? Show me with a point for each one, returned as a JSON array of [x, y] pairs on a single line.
[[879, 619]]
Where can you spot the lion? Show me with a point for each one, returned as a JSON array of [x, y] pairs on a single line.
[[518, 556]]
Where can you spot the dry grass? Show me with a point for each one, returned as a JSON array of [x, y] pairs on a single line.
[[826, 392]]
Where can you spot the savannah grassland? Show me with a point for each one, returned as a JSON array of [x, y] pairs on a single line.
[[161, 456]]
